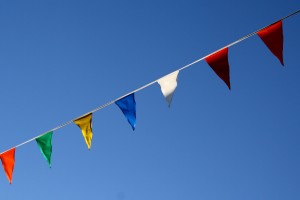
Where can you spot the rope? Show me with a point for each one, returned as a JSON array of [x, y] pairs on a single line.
[[151, 83]]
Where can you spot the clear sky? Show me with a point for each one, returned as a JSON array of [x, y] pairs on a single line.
[[61, 59]]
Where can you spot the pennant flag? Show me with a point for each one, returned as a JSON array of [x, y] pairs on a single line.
[[45, 144], [272, 36], [8, 162], [85, 124], [168, 85], [219, 63], [128, 107]]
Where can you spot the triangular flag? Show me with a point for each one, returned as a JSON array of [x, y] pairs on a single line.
[[8, 162], [45, 144], [128, 107], [272, 36], [85, 124], [168, 85], [219, 63]]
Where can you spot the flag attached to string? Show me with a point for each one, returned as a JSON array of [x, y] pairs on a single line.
[[85, 124], [45, 144], [128, 107], [272, 36], [168, 85], [8, 163], [219, 63]]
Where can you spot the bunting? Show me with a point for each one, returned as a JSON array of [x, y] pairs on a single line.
[[272, 36], [45, 144], [8, 163], [85, 124], [219, 63], [128, 107], [168, 85]]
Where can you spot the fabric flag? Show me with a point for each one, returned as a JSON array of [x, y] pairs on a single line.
[[272, 36], [128, 107], [8, 162], [219, 63], [85, 124], [45, 144], [168, 85]]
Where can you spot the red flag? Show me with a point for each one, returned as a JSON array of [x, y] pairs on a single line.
[[272, 36], [8, 162], [219, 63]]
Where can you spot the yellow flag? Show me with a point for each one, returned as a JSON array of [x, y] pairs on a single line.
[[85, 124]]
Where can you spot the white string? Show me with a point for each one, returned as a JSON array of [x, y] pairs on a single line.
[[151, 83]]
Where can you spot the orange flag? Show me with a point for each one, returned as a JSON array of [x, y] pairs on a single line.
[[8, 162], [219, 63], [272, 36]]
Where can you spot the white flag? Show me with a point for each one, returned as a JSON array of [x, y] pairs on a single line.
[[168, 85]]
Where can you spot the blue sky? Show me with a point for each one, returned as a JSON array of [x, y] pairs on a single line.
[[61, 59]]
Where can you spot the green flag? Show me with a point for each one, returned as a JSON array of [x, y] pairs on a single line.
[[45, 145]]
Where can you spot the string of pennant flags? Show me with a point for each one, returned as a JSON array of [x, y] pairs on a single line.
[[271, 35]]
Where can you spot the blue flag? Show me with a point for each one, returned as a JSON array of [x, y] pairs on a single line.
[[127, 105]]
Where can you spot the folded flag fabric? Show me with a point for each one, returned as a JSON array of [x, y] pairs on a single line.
[[219, 63], [168, 85], [128, 107], [85, 124], [8, 163], [45, 144], [272, 36]]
